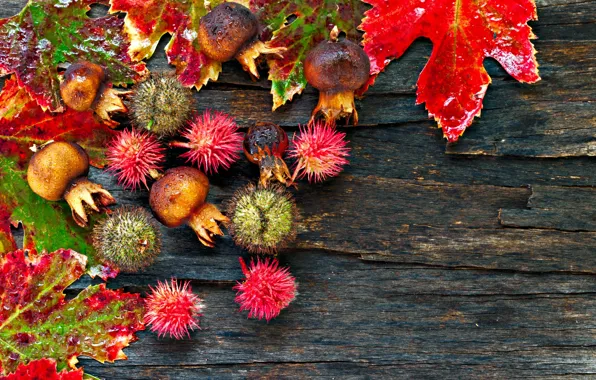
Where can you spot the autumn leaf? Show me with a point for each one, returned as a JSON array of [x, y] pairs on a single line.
[[49, 33], [43, 369], [311, 24], [23, 124], [148, 20], [463, 33], [47, 225], [36, 321]]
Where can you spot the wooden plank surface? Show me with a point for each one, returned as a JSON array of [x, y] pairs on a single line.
[[475, 259]]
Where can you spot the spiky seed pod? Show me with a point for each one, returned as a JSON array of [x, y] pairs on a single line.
[[213, 141], [267, 289], [133, 156], [129, 239], [262, 220], [320, 152], [161, 105], [172, 309]]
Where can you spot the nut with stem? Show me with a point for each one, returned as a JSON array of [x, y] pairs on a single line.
[[179, 197], [265, 145], [84, 88], [231, 31], [336, 68], [59, 171]]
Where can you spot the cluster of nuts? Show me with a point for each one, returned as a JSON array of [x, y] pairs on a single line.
[[260, 217]]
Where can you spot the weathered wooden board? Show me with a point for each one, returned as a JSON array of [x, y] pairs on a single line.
[[555, 208], [360, 320], [413, 263]]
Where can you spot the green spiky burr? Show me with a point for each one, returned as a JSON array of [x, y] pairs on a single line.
[[262, 219], [161, 105], [129, 239]]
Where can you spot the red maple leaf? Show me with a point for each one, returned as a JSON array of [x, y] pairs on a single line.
[[463, 33], [23, 123], [43, 369]]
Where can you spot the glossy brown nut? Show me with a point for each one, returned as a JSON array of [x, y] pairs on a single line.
[[225, 30], [82, 82], [178, 194], [53, 168], [337, 66]]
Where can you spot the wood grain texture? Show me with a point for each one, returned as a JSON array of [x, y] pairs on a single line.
[[422, 260]]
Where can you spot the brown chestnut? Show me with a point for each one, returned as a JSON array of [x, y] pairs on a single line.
[[59, 171], [231, 31], [81, 85], [179, 197], [336, 68], [84, 88]]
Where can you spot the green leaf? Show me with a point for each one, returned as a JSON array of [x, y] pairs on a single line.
[[36, 321], [49, 33], [47, 225], [313, 21], [148, 20]]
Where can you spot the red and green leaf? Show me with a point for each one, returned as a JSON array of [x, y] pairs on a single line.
[[50, 33], [36, 320], [313, 21], [148, 20], [47, 225], [43, 369], [463, 33]]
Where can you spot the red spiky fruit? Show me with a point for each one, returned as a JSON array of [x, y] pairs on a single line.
[[266, 290], [172, 309], [320, 152], [213, 141], [133, 156]]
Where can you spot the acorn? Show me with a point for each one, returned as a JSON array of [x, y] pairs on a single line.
[[262, 220], [59, 171], [231, 31], [161, 105], [264, 145], [337, 68], [179, 197], [129, 239], [84, 88]]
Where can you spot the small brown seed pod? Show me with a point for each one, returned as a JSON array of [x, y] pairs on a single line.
[[264, 145], [336, 68], [81, 85], [179, 197], [84, 88], [59, 171], [231, 31]]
